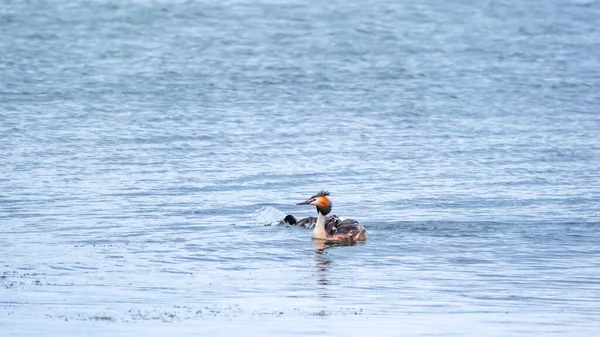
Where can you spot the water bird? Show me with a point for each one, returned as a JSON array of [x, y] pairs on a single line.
[[309, 222], [329, 228]]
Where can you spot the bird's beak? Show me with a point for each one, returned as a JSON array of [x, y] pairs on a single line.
[[307, 202]]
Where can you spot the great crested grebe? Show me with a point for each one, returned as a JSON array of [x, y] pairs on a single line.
[[332, 228], [306, 222], [309, 222]]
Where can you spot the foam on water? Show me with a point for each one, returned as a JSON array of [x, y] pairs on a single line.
[[268, 216]]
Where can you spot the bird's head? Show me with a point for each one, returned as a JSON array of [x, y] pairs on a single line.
[[321, 201], [290, 220]]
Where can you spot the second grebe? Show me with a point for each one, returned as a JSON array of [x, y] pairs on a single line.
[[333, 228], [309, 222], [306, 222]]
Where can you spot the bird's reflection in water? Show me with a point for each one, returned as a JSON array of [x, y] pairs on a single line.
[[322, 261]]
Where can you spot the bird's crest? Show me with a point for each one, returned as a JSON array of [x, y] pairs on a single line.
[[321, 194]]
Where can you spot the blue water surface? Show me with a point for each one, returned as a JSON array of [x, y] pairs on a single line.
[[147, 149]]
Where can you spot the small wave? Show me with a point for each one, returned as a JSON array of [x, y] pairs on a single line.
[[268, 216]]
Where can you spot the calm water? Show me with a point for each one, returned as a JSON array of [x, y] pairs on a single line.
[[148, 147]]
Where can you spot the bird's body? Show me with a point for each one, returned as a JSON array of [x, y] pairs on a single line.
[[311, 221], [330, 228]]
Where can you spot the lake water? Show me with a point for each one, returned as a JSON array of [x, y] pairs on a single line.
[[147, 149]]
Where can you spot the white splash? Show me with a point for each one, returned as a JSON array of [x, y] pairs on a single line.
[[268, 216]]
